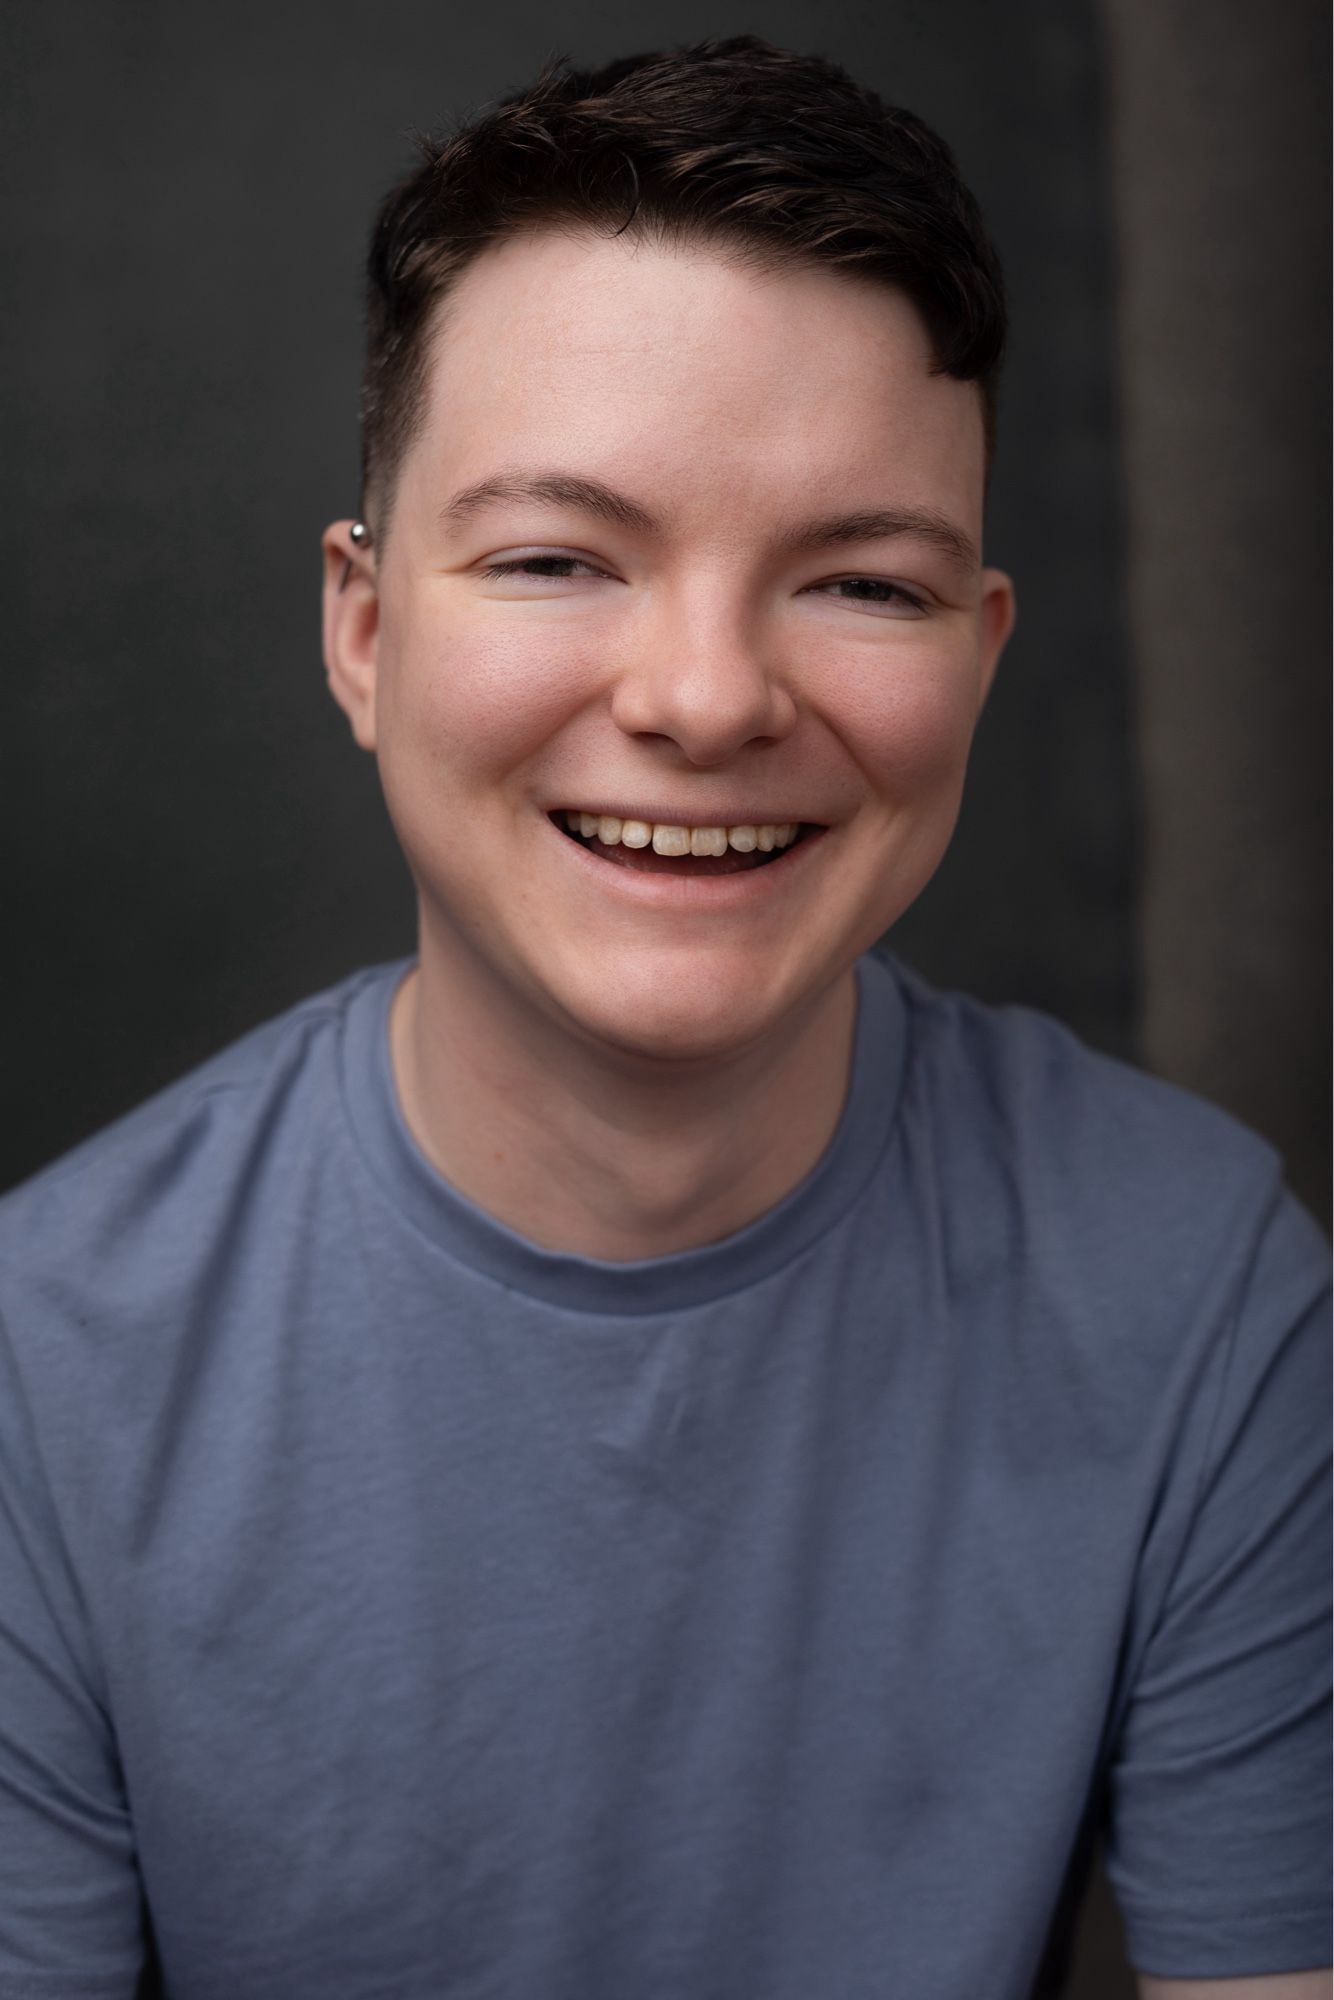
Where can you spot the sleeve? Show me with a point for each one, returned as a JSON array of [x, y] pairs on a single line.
[[71, 1908], [1218, 1802]]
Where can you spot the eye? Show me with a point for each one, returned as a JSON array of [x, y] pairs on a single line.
[[548, 569], [874, 593], [891, 597]]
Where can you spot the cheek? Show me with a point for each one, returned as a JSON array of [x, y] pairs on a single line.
[[477, 701], [911, 724]]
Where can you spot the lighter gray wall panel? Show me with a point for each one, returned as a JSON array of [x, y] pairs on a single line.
[[1221, 151]]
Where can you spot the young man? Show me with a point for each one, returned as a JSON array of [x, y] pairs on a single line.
[[646, 1454]]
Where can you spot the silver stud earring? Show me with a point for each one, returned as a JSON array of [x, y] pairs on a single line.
[[360, 534]]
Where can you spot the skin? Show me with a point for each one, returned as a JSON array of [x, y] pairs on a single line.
[[605, 1075]]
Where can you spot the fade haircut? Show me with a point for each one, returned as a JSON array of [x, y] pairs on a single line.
[[772, 158]]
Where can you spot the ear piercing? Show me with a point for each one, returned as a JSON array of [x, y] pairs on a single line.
[[361, 535]]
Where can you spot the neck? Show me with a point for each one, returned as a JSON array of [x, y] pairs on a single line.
[[591, 1152]]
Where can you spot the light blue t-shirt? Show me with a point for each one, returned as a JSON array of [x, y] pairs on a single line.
[[391, 1609]]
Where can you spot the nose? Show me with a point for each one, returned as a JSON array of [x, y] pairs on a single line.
[[704, 683]]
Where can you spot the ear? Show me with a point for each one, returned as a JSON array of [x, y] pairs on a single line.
[[997, 615], [351, 628]]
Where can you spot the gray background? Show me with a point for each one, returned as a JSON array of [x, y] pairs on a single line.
[[193, 842]]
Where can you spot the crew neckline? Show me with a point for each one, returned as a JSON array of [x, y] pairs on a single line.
[[421, 1197]]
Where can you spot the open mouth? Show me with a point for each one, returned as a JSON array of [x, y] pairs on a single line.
[[686, 851]]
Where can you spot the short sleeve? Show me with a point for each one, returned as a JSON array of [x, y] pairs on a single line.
[[71, 1908], [1219, 1802]]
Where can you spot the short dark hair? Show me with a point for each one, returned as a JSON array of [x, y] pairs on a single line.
[[772, 157]]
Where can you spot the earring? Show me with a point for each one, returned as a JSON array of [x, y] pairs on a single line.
[[360, 534]]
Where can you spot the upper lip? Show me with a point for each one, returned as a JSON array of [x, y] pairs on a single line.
[[655, 816]]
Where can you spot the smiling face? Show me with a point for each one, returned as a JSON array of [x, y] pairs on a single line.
[[643, 620]]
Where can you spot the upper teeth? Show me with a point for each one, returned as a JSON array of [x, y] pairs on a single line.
[[681, 839]]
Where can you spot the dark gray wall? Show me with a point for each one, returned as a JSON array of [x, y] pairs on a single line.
[[200, 844]]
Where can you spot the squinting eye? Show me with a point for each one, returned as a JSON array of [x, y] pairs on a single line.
[[551, 568], [560, 569], [894, 597]]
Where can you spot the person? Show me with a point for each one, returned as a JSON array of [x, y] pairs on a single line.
[[645, 1451]]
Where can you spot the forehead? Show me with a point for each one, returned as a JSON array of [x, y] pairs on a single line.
[[684, 364]]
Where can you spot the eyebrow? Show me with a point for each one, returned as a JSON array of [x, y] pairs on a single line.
[[591, 496]]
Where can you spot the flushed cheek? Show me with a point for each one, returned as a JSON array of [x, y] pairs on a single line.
[[490, 703], [912, 733]]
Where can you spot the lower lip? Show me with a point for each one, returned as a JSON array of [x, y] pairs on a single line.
[[724, 893]]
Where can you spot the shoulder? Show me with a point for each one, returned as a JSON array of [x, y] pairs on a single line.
[[142, 1179], [1027, 1081], [1035, 1136]]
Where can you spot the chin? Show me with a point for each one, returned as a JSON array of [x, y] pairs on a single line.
[[681, 1020], [679, 1043]]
